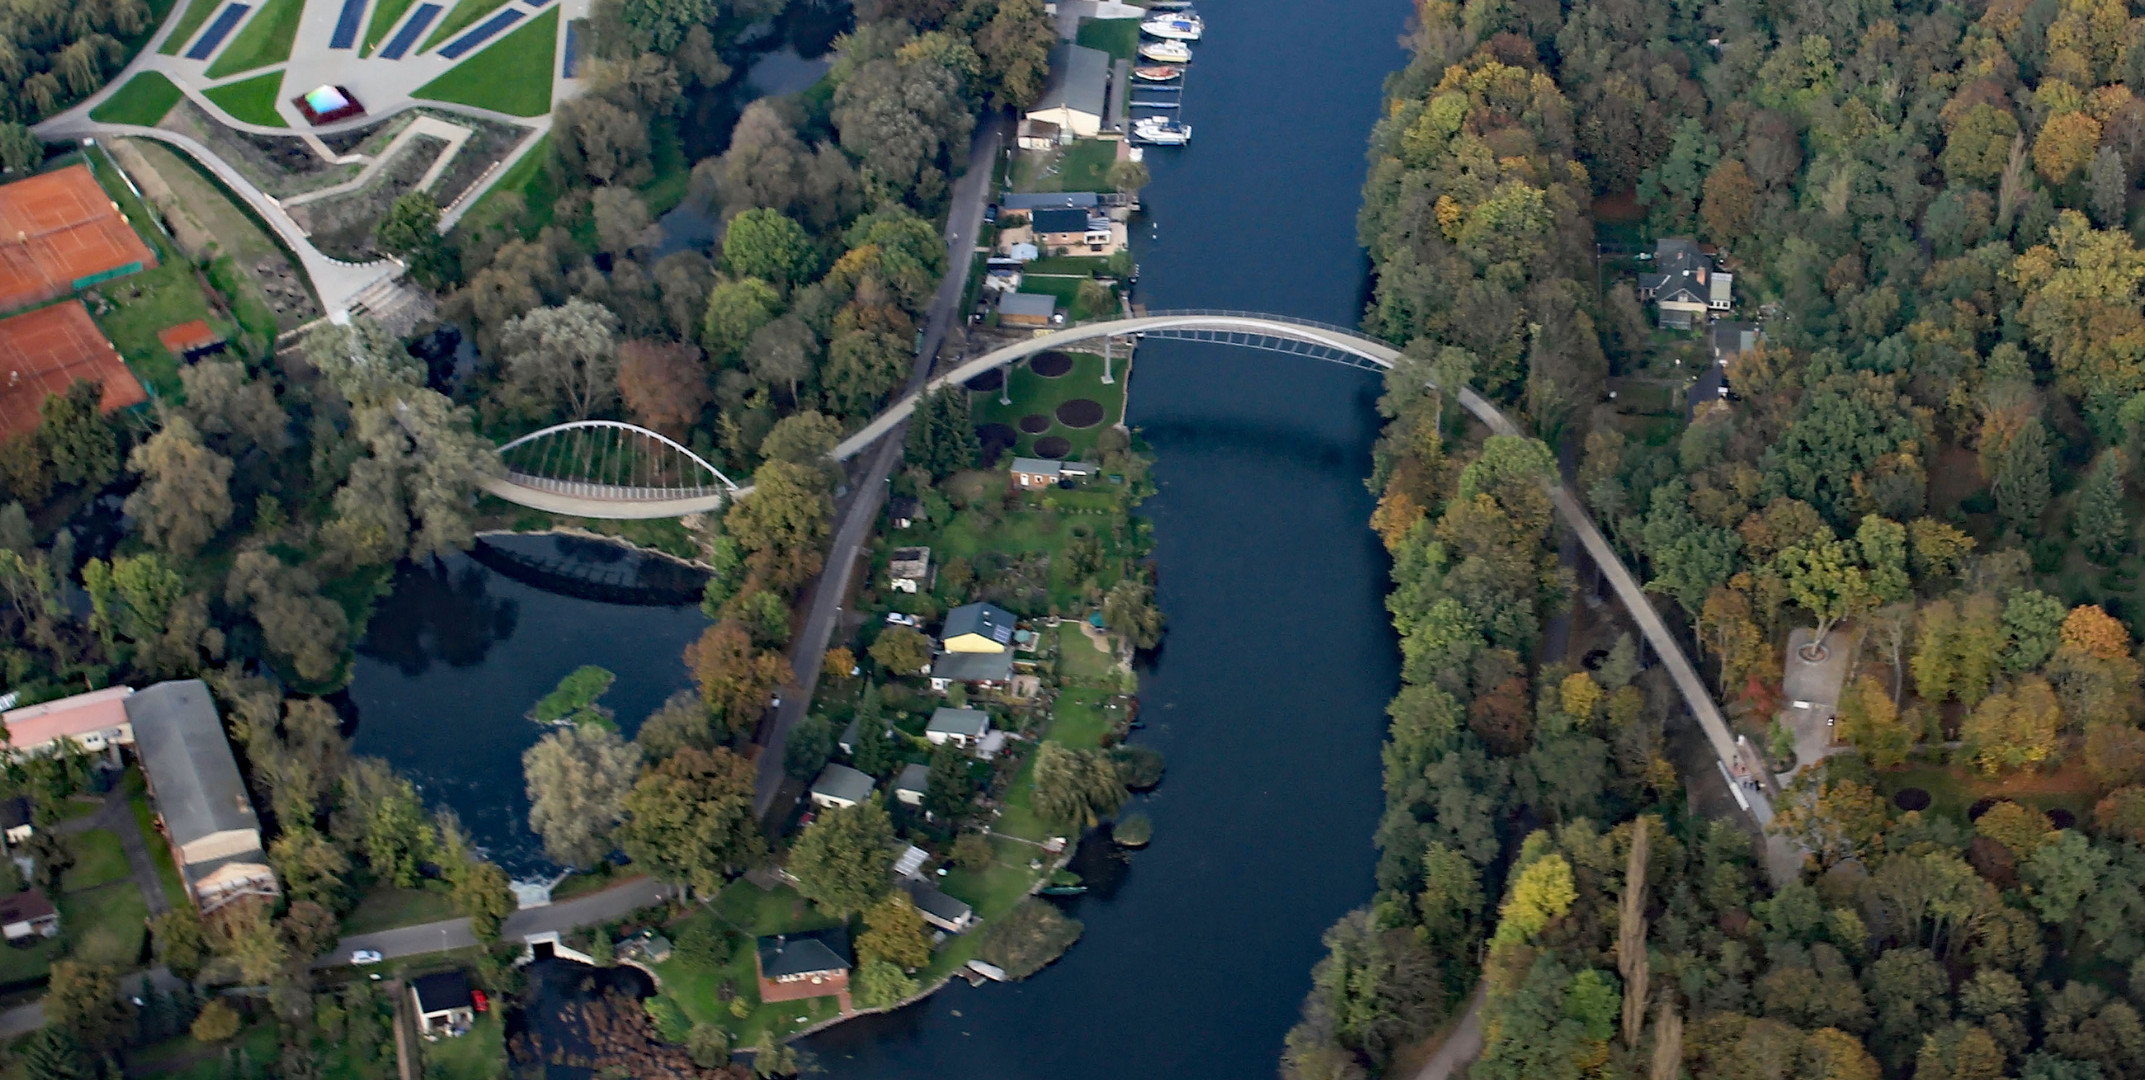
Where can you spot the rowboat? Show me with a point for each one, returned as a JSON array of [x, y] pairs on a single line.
[[1157, 72]]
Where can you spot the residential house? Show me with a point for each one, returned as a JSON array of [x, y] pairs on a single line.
[[937, 908], [15, 820], [95, 723], [1684, 285], [961, 727], [27, 915], [793, 967], [910, 783], [1030, 202], [1067, 229], [911, 862], [902, 511], [1033, 134], [909, 570], [1028, 309], [1031, 472], [1076, 91], [977, 628], [993, 670], [214, 834], [840, 786], [444, 1004]]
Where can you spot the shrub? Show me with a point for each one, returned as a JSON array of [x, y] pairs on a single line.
[[216, 1023], [1026, 939]]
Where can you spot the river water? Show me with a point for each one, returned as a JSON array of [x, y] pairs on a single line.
[[1268, 694]]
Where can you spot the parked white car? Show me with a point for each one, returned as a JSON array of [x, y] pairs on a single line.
[[366, 956]]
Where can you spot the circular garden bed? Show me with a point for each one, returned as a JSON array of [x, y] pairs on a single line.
[[1079, 413], [1912, 798], [1035, 423], [996, 439], [1053, 447], [989, 380], [1051, 364]]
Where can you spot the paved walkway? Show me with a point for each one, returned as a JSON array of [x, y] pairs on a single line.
[[424, 126]]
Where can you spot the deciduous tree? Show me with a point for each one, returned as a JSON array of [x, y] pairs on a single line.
[[578, 779], [689, 818], [843, 860], [736, 680], [185, 495]]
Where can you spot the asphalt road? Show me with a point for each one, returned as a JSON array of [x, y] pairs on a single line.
[[964, 223], [612, 903]]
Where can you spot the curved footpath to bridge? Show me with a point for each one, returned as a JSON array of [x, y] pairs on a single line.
[[1336, 344]]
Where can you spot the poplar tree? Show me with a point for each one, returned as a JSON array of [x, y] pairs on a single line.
[[2098, 519]]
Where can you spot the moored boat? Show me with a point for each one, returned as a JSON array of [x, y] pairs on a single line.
[[1161, 131], [1157, 72], [1176, 26], [1166, 52]]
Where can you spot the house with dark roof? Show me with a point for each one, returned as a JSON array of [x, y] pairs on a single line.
[[911, 783], [15, 819], [1075, 92], [444, 1003], [939, 909], [1684, 285], [793, 967], [840, 786], [978, 628], [1068, 228], [207, 818], [994, 670], [26, 915], [961, 727]]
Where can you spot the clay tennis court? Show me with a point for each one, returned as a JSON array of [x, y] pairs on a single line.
[[60, 232], [44, 351]]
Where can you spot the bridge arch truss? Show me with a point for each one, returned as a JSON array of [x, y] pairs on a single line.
[[608, 469]]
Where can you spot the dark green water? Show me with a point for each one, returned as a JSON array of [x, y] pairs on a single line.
[[1268, 695]]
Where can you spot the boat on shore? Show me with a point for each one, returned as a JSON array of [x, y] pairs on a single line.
[[1175, 26], [1063, 890], [1161, 131], [1166, 52], [1158, 72]]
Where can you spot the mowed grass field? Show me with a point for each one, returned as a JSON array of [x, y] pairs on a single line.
[[512, 75]]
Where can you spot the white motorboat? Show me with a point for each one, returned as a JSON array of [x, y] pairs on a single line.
[[1175, 26], [1161, 131], [1167, 52]]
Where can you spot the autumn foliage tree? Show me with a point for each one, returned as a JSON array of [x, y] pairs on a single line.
[[663, 383], [736, 679]]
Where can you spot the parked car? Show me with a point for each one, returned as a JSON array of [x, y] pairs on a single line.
[[366, 956]]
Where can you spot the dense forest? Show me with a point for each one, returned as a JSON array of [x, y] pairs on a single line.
[[1928, 210]]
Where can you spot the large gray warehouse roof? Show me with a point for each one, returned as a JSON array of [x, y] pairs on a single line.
[[183, 749]]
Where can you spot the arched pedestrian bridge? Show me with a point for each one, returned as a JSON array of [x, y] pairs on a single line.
[[671, 490]]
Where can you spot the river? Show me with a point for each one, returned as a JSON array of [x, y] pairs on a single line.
[[1268, 694]]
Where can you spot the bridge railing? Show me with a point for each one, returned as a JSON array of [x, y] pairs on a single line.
[[588, 490], [1179, 313]]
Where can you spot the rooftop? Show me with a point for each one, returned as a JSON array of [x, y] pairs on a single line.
[[96, 712], [441, 991], [1020, 303], [1079, 80], [969, 722], [974, 666], [59, 231], [912, 777], [933, 902], [1038, 466], [843, 783], [1059, 220], [1047, 200], [985, 620], [182, 748], [910, 562], [817, 953], [25, 906]]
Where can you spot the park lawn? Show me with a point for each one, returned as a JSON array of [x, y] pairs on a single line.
[[167, 872], [385, 907], [265, 39], [143, 101], [464, 13], [104, 925], [1032, 393], [385, 15], [98, 860], [251, 100], [197, 12], [479, 1054], [1078, 658], [512, 75], [526, 177], [1954, 789], [151, 300], [1118, 37]]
